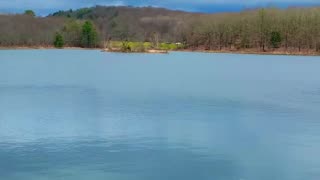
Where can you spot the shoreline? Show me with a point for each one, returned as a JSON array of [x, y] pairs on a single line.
[[148, 51], [44, 47], [154, 51], [256, 52]]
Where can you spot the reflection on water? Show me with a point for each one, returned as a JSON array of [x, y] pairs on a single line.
[[177, 116]]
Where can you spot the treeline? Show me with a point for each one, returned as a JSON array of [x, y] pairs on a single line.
[[77, 34], [293, 29], [129, 23], [26, 30]]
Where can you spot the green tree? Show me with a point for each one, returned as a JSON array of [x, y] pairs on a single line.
[[58, 41], [275, 39], [89, 35], [72, 33], [30, 13]]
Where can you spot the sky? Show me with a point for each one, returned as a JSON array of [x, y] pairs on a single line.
[[44, 7]]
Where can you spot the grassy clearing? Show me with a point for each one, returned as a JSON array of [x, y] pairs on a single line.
[[142, 46]]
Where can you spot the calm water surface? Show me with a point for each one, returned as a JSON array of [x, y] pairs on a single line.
[[80, 115]]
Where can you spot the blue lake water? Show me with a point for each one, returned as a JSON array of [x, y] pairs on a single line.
[[80, 115]]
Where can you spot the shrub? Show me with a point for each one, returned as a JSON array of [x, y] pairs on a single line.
[[275, 39], [58, 41], [125, 47]]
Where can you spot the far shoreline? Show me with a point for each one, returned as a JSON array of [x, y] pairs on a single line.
[[155, 51], [255, 52]]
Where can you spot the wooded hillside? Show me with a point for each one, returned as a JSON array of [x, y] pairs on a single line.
[[26, 30], [294, 29]]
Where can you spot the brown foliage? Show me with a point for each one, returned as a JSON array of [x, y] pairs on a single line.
[[298, 28]]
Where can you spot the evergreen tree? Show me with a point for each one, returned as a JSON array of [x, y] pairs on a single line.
[[89, 35], [275, 39], [30, 13], [59, 41]]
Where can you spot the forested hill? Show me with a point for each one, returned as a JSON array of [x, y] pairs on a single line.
[[132, 22], [114, 11], [269, 29]]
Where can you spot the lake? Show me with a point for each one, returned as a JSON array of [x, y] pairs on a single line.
[[84, 114]]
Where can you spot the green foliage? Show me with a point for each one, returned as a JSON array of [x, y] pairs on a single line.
[[89, 35], [169, 46], [60, 13], [78, 14], [140, 47], [58, 41], [30, 13], [81, 13], [72, 32], [125, 47], [275, 39], [130, 46]]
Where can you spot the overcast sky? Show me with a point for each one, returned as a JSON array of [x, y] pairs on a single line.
[[48, 6]]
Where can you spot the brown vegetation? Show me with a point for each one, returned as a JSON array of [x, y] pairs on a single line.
[[294, 30], [25, 30]]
